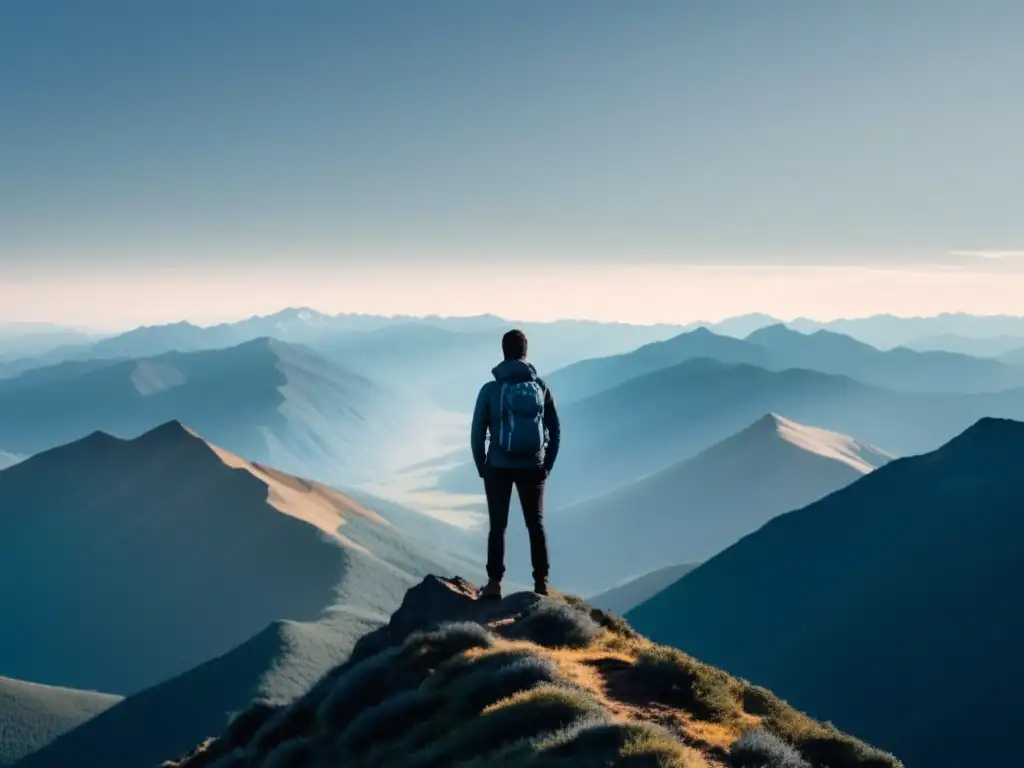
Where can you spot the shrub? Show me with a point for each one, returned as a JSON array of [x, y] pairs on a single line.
[[820, 744], [537, 712], [364, 685], [424, 650], [486, 685], [298, 718], [394, 715], [609, 621], [679, 680], [595, 735], [651, 746], [839, 750], [554, 625], [244, 726], [761, 749], [458, 667]]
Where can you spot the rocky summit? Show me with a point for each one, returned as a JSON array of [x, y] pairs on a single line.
[[455, 680]]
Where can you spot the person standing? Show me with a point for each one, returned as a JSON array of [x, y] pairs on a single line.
[[518, 411]]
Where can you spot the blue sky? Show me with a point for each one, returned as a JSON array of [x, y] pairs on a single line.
[[181, 142]]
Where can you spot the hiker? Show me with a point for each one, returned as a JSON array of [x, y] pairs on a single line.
[[518, 410]]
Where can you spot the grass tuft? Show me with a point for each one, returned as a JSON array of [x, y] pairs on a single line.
[[678, 680], [555, 624], [761, 749]]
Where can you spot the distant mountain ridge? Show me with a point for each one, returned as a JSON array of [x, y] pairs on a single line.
[[777, 348], [165, 532], [890, 607], [275, 402], [344, 335], [694, 509], [32, 715]]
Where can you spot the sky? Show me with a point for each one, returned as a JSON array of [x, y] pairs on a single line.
[[658, 160]]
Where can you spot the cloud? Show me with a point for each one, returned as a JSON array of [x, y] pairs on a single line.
[[990, 255]]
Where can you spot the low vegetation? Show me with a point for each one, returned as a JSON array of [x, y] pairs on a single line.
[[547, 685]]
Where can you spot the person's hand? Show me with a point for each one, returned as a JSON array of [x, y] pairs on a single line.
[[544, 472]]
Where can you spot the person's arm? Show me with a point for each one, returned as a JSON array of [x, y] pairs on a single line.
[[554, 427], [478, 431]]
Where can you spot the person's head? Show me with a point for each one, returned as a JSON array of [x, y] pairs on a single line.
[[513, 345]]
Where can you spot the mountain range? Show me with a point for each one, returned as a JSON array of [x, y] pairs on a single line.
[[654, 421], [779, 348], [698, 507], [444, 358], [158, 553], [890, 607], [271, 401]]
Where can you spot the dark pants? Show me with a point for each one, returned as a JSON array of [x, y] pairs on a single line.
[[529, 482]]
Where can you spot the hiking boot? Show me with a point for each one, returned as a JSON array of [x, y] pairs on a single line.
[[540, 587], [491, 591]]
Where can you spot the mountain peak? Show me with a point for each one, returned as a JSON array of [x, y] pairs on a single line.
[[168, 432], [773, 331], [988, 437], [495, 679], [822, 442]]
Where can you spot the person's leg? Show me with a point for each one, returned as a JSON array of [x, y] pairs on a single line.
[[498, 487], [530, 485]]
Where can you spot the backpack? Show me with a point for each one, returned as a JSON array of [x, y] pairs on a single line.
[[521, 429]]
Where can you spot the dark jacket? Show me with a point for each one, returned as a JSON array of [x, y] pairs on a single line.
[[488, 406]]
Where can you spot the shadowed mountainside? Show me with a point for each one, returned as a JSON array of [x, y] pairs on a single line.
[[525, 681], [630, 594], [697, 508], [891, 607], [33, 715], [117, 546], [274, 402], [277, 665]]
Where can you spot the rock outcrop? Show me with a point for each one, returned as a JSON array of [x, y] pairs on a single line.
[[454, 680]]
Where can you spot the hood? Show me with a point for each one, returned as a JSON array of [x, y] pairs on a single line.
[[514, 371]]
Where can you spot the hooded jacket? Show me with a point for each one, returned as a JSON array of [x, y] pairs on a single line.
[[488, 406]]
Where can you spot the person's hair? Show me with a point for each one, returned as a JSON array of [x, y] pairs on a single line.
[[513, 345]]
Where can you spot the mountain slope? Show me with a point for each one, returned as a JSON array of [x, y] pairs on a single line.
[[622, 598], [526, 681], [273, 402], [153, 555], [277, 665], [8, 459], [654, 421], [891, 607], [33, 715], [695, 509]]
